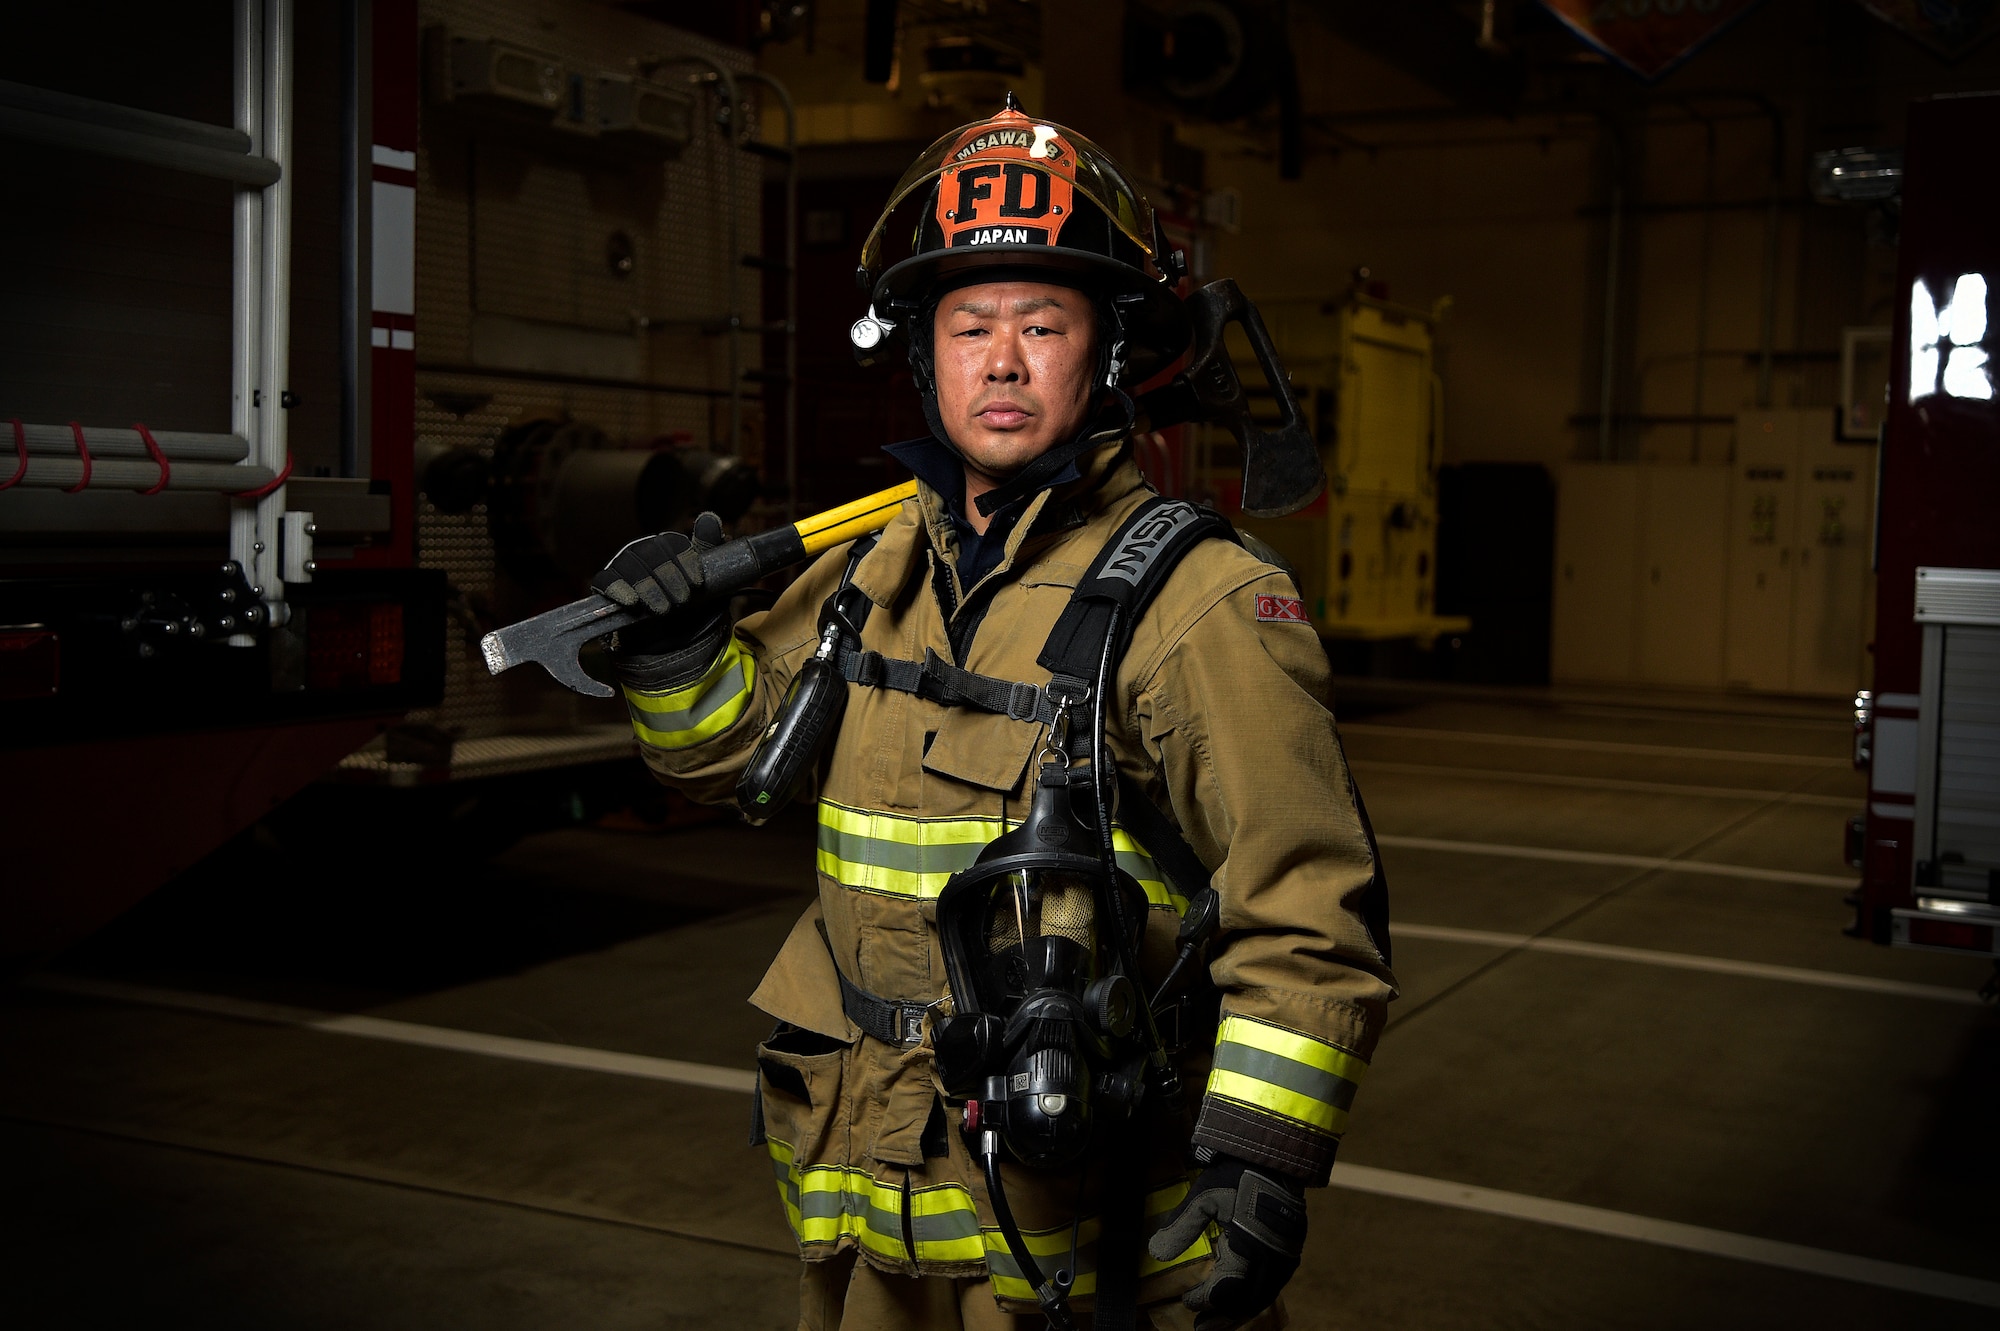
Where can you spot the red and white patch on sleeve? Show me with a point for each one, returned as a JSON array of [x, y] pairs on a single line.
[[1281, 609]]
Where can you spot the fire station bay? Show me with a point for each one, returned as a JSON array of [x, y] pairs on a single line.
[[999, 664]]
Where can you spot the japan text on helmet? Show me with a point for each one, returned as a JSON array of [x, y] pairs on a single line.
[[1011, 198]]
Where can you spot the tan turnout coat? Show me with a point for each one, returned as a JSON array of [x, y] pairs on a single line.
[[1221, 712]]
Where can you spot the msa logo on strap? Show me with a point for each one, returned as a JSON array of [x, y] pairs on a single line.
[[1281, 609], [1140, 547]]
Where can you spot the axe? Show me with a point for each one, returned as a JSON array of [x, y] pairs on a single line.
[[1281, 474]]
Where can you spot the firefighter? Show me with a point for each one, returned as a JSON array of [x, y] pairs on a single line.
[[1037, 293]]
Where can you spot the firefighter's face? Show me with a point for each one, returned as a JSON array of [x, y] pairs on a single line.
[[1015, 363]]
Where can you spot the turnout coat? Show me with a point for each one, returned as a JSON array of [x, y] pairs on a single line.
[[1221, 713]]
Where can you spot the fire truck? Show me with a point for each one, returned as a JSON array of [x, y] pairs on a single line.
[[1928, 731], [335, 333]]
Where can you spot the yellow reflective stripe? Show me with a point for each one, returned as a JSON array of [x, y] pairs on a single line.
[[1290, 1044], [1285, 1073], [912, 831], [683, 717], [947, 1200], [1055, 1243], [1135, 861], [896, 856], [887, 853], [1268, 1095], [861, 1196], [824, 1203]]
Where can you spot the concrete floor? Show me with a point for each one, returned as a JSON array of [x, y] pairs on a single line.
[[173, 1165]]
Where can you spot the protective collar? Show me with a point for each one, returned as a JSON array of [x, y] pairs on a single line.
[[939, 466]]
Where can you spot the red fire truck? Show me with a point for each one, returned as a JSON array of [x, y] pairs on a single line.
[[253, 518], [1928, 732], [208, 590]]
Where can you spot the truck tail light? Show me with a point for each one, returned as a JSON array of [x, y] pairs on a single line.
[[30, 663], [1959, 934], [354, 646], [385, 644]]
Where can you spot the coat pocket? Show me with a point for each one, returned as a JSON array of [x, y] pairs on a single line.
[[802, 1121], [983, 749]]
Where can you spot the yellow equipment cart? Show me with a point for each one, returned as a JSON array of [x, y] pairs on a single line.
[[1366, 551]]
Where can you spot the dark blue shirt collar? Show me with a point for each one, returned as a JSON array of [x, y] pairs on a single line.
[[937, 466]]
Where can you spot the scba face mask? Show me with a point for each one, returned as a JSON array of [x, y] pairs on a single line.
[[1046, 1042], [1044, 1003]]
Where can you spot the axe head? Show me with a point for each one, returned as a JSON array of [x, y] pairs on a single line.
[[1281, 471], [1281, 468]]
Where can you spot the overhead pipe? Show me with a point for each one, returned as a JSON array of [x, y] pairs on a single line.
[[791, 327], [1612, 241], [1773, 205], [727, 116], [1291, 132], [1704, 270], [878, 41], [1767, 339]]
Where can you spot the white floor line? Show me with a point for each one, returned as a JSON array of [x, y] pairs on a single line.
[[1550, 853], [1359, 1178], [1687, 961], [1670, 1234], [1594, 745], [1367, 765], [407, 1032]]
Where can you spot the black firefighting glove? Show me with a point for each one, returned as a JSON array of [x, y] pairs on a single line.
[[661, 572], [1262, 1217], [664, 574]]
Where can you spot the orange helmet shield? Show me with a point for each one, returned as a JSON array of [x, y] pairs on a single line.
[[1009, 181]]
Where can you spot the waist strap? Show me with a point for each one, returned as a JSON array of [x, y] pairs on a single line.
[[889, 1020]]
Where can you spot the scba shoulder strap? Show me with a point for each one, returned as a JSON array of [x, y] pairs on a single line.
[[1121, 582]]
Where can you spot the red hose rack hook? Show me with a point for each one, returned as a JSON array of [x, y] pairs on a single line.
[[21, 452], [268, 486], [83, 453], [153, 448]]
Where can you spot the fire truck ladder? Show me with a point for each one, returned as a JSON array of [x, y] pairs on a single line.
[[267, 544]]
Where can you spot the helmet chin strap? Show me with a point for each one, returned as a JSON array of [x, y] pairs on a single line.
[[1111, 416]]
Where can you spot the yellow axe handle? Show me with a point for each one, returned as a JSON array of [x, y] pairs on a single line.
[[823, 531]]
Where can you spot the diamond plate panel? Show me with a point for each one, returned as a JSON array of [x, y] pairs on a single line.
[[513, 236]]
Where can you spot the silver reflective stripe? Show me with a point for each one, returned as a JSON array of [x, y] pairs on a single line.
[[1303, 1079], [938, 857], [1001, 1262], [944, 1227], [719, 694]]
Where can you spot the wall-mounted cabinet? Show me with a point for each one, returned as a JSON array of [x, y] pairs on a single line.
[[1749, 576], [1595, 628], [1639, 572]]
